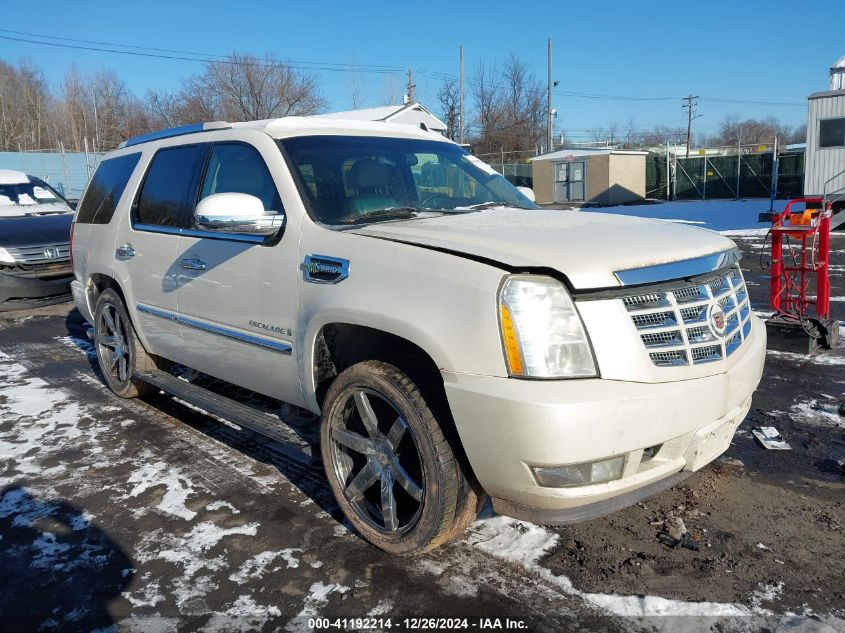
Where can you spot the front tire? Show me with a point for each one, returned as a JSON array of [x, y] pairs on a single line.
[[388, 462], [119, 351]]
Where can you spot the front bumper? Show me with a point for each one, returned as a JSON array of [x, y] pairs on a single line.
[[18, 292], [507, 425]]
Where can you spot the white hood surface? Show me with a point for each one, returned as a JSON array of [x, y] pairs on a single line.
[[586, 247]]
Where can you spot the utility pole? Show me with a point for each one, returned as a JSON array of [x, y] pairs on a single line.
[[461, 101], [410, 87], [549, 140], [690, 106]]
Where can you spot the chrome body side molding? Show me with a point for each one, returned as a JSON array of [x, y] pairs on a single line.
[[250, 339], [215, 235]]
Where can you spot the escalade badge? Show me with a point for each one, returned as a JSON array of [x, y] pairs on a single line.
[[323, 269], [717, 319]]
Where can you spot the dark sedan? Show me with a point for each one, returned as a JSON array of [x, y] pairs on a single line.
[[35, 268]]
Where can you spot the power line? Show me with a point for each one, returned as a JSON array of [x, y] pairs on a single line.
[[296, 65], [351, 67], [191, 56]]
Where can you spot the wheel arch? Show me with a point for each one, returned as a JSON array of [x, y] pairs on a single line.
[[96, 284], [338, 344]]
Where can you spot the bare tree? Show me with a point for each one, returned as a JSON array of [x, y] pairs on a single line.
[[448, 98], [25, 102], [357, 88], [732, 130], [391, 94], [250, 88], [510, 109]]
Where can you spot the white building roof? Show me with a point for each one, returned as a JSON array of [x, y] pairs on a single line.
[[562, 154]]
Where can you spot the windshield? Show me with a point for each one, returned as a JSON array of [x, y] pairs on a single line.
[[25, 198], [355, 179]]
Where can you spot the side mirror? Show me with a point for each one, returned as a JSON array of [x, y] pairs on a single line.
[[528, 192], [237, 213]]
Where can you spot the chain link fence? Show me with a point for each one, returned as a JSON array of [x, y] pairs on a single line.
[[710, 175]]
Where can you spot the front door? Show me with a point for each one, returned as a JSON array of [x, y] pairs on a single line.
[[577, 180], [237, 293]]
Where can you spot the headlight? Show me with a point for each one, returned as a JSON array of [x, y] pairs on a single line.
[[542, 333], [5, 257]]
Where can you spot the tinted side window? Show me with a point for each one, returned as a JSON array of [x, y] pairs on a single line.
[[105, 189], [832, 133], [237, 168], [167, 192]]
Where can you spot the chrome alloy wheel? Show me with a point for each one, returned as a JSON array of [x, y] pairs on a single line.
[[372, 444], [113, 345]]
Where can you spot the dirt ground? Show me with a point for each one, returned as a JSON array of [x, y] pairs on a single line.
[[778, 521], [150, 515]]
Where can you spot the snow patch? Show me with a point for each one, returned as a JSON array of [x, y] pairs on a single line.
[[254, 568], [243, 615], [179, 488], [148, 595], [525, 544], [383, 607], [512, 540], [812, 413], [317, 598], [216, 505], [822, 358], [189, 551]]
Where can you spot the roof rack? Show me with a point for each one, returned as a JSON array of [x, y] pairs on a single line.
[[192, 128]]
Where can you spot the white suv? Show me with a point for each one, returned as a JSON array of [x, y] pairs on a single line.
[[456, 340]]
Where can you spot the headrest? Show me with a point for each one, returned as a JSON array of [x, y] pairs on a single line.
[[366, 173]]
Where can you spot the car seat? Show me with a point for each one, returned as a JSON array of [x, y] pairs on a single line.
[[375, 186]]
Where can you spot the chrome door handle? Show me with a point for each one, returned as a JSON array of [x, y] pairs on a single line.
[[124, 252], [192, 264]]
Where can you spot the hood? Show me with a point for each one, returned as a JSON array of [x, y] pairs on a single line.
[[33, 230], [586, 247]]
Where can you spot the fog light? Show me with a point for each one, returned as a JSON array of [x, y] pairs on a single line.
[[579, 474]]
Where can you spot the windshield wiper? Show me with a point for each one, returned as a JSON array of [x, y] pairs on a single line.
[[397, 213]]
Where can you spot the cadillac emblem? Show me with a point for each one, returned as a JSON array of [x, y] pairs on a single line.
[[717, 320]]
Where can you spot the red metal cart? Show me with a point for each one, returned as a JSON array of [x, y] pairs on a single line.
[[800, 277]]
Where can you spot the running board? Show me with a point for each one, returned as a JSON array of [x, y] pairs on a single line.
[[240, 414]]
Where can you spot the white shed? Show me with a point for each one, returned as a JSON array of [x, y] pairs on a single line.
[[824, 172]]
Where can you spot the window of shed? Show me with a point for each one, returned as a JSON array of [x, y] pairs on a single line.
[[832, 133]]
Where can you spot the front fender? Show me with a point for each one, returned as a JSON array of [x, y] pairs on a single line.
[[442, 303]]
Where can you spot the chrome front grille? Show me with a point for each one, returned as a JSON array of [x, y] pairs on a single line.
[[675, 325], [41, 254]]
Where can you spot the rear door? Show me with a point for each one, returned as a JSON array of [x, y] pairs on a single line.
[[147, 245], [237, 293]]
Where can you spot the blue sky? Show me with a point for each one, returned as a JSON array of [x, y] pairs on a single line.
[[743, 50]]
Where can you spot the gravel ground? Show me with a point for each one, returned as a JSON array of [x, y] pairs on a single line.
[[150, 515]]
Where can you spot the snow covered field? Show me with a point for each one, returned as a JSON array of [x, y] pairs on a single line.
[[732, 217]]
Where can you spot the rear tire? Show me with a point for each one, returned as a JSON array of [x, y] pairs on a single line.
[[388, 462], [119, 351]]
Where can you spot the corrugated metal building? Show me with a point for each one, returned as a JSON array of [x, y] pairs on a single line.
[[68, 173], [825, 154]]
